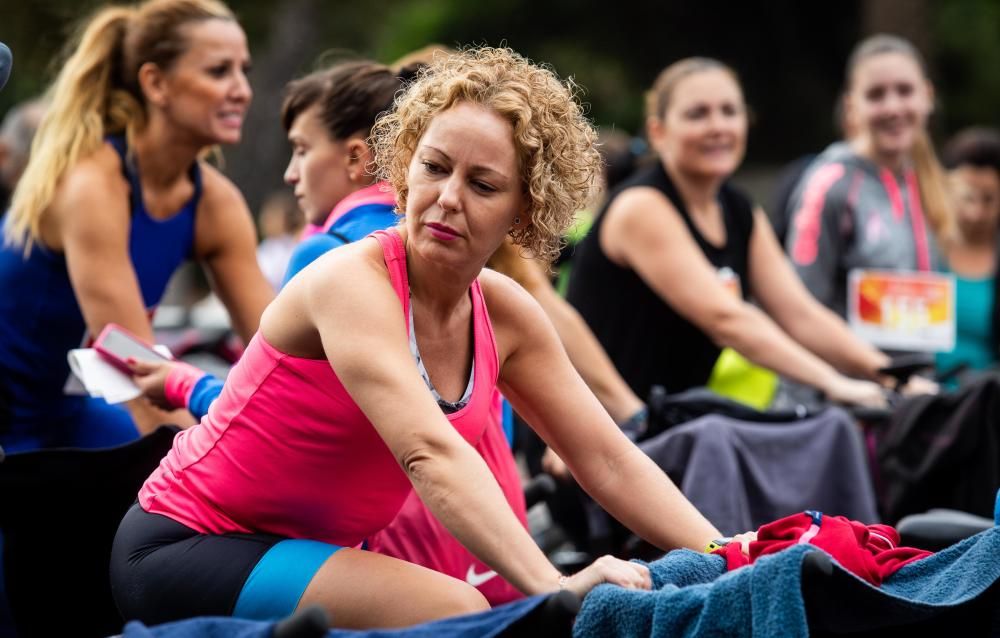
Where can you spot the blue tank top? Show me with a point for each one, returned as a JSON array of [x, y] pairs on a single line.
[[40, 319], [974, 298]]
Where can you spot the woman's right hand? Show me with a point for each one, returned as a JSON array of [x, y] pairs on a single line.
[[611, 570], [847, 391], [151, 377]]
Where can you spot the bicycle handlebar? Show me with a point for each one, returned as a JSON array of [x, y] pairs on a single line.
[[905, 366]]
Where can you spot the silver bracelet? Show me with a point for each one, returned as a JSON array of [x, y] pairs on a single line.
[[563, 579]]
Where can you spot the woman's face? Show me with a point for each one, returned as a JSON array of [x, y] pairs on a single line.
[[704, 128], [318, 168], [888, 103], [465, 187], [976, 192], [206, 91]]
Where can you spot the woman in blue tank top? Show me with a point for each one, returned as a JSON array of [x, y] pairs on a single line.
[[113, 199]]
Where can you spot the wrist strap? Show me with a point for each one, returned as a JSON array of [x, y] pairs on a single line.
[[718, 543], [636, 425]]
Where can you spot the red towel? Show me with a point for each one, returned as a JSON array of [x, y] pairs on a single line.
[[871, 552]]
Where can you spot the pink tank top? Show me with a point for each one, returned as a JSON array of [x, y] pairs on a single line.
[[284, 450]]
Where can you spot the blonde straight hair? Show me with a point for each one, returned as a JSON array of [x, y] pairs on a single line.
[[930, 174], [96, 93]]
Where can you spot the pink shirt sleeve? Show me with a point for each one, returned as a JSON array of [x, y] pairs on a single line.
[[180, 382]]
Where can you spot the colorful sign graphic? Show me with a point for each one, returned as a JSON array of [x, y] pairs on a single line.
[[902, 310]]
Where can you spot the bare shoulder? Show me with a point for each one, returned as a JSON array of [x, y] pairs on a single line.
[[505, 298], [640, 218], [95, 179], [631, 208], [346, 291], [349, 274], [223, 223], [516, 317], [92, 198], [219, 194]]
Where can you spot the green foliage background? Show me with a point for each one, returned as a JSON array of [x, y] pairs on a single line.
[[789, 54]]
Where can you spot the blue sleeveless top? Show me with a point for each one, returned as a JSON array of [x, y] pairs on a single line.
[[40, 319], [974, 299]]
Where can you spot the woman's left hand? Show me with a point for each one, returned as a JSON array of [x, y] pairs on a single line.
[[744, 540], [855, 392]]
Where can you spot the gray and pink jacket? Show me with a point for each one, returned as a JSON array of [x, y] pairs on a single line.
[[848, 213]]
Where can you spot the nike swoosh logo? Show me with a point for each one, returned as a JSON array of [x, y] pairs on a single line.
[[475, 579]]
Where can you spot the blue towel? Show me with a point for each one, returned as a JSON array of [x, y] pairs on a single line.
[[483, 625], [953, 576], [693, 595]]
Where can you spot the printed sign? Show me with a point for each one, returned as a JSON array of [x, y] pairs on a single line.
[[902, 310]]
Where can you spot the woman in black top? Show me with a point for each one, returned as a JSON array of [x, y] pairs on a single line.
[[665, 275]]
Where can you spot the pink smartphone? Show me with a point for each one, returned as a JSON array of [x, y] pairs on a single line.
[[117, 345]]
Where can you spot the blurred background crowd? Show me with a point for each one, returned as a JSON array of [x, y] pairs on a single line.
[[790, 57]]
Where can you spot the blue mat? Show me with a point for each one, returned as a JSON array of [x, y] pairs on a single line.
[[487, 624]]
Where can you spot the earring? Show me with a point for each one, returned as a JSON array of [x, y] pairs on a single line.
[[517, 221]]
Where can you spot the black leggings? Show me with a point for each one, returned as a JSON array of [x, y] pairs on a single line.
[[162, 570]]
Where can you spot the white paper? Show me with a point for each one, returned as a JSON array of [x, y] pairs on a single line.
[[101, 379]]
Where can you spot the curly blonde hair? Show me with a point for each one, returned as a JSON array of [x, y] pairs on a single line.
[[558, 160]]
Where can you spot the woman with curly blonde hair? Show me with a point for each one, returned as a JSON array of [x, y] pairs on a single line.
[[373, 372]]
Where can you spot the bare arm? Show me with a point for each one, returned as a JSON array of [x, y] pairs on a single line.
[[539, 380], [90, 223], [225, 242], [585, 352], [644, 232], [782, 294]]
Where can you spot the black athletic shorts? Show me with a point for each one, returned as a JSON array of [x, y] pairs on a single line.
[[162, 570]]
